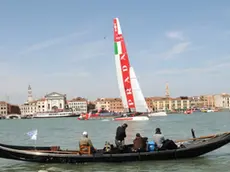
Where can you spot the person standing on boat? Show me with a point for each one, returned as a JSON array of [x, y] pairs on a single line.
[[120, 136], [158, 138]]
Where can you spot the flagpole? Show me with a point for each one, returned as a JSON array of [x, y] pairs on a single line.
[[35, 142], [33, 136], [36, 139]]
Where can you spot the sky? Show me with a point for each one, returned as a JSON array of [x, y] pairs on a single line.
[[67, 47]]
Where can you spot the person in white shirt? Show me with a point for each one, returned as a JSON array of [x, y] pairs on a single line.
[[158, 138]]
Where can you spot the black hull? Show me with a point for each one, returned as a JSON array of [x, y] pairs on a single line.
[[70, 116], [102, 117], [48, 148], [194, 149]]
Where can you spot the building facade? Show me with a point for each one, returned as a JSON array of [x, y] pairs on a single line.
[[55, 101], [110, 104], [51, 102], [171, 104], [7, 108], [197, 102], [29, 108], [116, 105], [222, 100], [78, 105]]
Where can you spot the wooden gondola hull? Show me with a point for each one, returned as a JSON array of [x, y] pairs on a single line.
[[194, 149], [28, 147]]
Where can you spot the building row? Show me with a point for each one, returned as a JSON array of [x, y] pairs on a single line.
[[171, 104], [54, 102], [58, 102]]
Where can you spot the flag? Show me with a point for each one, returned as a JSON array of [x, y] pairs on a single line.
[[33, 134]]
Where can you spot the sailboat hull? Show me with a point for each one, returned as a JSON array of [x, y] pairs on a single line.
[[135, 118], [157, 114]]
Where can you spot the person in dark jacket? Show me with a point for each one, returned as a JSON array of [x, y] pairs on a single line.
[[120, 136], [138, 143]]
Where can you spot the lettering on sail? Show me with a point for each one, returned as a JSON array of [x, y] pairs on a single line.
[[118, 38], [115, 27], [124, 68], [122, 58], [130, 102], [128, 91], [126, 79]]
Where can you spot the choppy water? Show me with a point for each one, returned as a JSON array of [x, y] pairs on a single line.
[[67, 131]]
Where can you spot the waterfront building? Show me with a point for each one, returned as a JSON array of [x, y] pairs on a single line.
[[53, 102], [208, 101], [154, 104], [197, 102], [7, 108], [222, 100], [29, 108], [50, 102], [171, 104], [110, 104], [78, 105], [116, 105]]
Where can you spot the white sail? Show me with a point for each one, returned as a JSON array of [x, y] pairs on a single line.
[[120, 81], [130, 91], [141, 105]]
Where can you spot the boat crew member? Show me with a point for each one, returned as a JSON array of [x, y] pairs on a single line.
[[120, 136], [86, 141], [158, 138], [139, 144]]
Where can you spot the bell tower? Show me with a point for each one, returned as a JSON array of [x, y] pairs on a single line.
[[167, 95], [30, 96]]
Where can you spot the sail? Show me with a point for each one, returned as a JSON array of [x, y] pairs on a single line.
[[141, 105], [122, 67]]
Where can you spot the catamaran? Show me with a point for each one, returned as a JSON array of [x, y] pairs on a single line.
[[98, 115], [54, 114], [131, 94]]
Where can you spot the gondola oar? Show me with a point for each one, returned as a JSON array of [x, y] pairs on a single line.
[[202, 137], [193, 133]]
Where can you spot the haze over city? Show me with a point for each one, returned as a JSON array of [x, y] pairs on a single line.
[[64, 48]]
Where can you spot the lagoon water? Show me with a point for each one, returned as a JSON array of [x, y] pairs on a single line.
[[66, 132]]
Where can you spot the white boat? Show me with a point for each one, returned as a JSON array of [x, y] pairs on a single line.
[[210, 110], [134, 118], [157, 114], [54, 115], [130, 91]]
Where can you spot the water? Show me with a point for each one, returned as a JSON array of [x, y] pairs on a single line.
[[66, 132]]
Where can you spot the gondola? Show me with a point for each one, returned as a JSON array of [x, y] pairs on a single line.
[[191, 148]]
